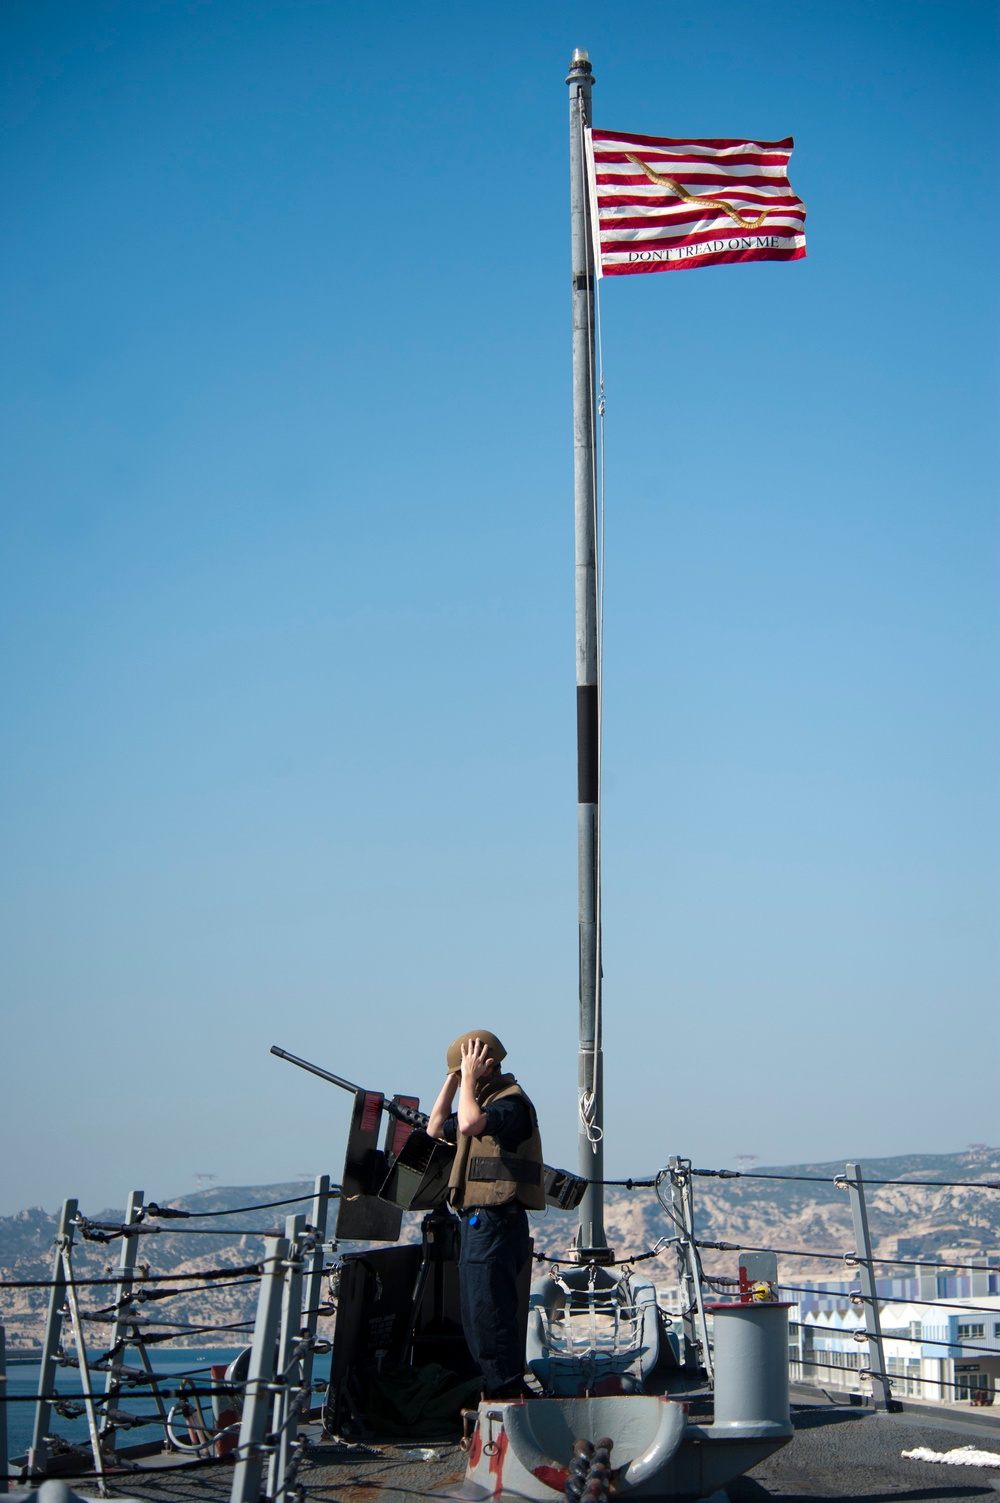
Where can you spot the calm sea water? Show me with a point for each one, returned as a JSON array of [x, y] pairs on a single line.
[[195, 1361]]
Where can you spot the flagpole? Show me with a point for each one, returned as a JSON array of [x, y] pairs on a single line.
[[591, 1238]]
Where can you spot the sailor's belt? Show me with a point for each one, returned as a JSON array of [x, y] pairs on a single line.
[[520, 1171]]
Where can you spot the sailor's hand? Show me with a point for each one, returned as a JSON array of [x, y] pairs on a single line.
[[476, 1060]]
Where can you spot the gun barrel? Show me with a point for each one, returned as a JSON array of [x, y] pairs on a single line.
[[303, 1064], [406, 1114]]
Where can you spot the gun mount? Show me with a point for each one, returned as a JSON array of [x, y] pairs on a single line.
[[409, 1171]]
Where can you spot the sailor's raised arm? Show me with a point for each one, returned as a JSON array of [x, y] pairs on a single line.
[[442, 1106]]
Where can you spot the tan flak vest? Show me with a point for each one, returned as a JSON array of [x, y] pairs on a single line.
[[484, 1175]]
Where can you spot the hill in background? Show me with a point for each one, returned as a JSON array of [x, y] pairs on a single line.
[[940, 1220]]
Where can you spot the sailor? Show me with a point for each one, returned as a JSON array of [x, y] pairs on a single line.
[[495, 1179]]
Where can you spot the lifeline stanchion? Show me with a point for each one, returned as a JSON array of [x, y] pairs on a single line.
[[126, 1265], [38, 1452], [63, 1294], [249, 1468], [3, 1405], [683, 1216], [686, 1276], [312, 1283], [881, 1391], [284, 1419], [73, 1301], [139, 1342]]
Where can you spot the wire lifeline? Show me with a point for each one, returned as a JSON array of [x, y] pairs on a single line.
[[833, 1366], [146, 1339], [839, 1257], [144, 1296], [134, 1376], [626, 1184], [134, 1468], [887, 1335], [867, 1372], [97, 1231], [181, 1327], [118, 1277], [110, 1398], [936, 1184], [130, 1375], [152, 1209], [840, 1179], [816, 1179], [572, 1262], [854, 1297]]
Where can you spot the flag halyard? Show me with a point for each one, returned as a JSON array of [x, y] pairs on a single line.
[[660, 204]]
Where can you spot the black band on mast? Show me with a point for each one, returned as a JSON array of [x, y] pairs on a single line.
[[586, 743]]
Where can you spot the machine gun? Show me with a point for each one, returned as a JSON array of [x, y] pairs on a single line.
[[403, 1108], [409, 1172]]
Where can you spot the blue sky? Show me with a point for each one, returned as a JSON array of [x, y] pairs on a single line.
[[287, 611]]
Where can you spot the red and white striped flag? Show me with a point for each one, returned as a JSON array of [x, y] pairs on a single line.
[[662, 205]]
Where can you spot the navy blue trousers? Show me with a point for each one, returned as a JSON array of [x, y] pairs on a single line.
[[495, 1246]]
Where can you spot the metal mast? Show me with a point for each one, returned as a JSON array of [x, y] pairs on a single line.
[[590, 1235]]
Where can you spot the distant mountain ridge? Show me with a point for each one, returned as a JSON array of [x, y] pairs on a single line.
[[812, 1213], [809, 1213]]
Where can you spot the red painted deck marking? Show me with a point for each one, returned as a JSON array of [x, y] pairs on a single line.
[[552, 1476]]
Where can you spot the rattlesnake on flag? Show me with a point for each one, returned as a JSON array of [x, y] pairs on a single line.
[[691, 198]]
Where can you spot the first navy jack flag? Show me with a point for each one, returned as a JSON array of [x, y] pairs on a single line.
[[659, 204]]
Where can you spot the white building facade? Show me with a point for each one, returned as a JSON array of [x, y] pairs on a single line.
[[939, 1351], [940, 1333]]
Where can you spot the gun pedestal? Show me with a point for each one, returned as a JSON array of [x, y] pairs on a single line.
[[435, 1333], [396, 1307], [400, 1307]]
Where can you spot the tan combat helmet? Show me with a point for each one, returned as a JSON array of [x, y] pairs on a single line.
[[497, 1050]]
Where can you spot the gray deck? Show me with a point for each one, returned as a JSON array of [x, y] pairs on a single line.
[[838, 1453], [855, 1453]]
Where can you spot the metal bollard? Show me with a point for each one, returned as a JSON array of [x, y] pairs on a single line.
[[751, 1367]]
